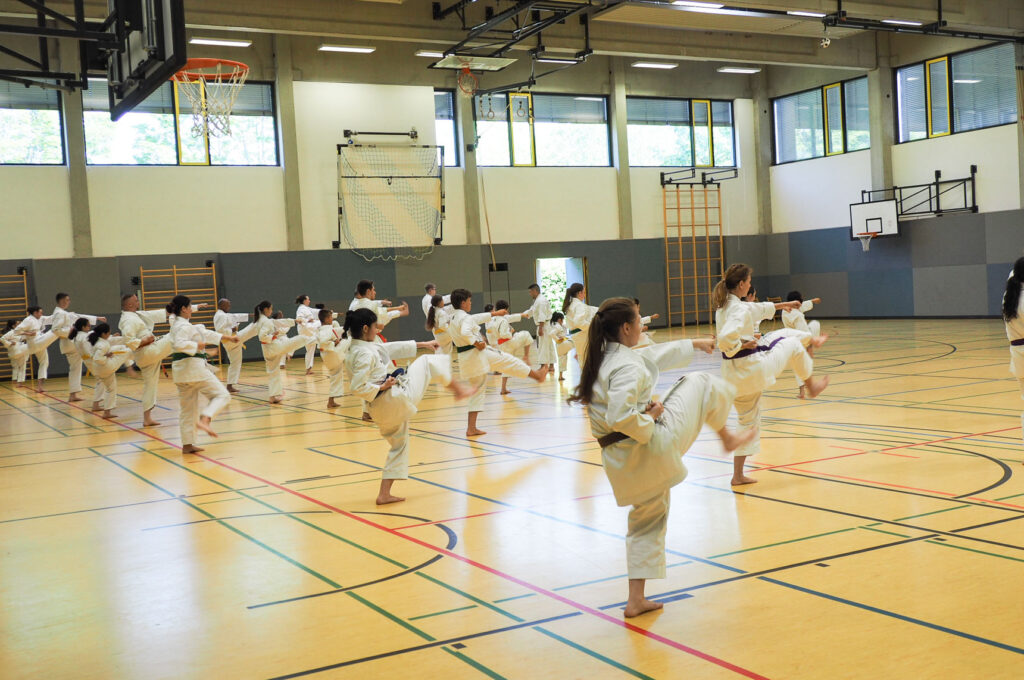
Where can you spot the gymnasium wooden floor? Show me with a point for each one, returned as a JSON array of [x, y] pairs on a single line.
[[883, 540]]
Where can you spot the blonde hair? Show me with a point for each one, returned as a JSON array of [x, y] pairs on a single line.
[[734, 276]]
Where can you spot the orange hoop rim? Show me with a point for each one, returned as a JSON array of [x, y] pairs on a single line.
[[188, 70], [867, 234]]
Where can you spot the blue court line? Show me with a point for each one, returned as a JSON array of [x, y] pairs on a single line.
[[901, 617]]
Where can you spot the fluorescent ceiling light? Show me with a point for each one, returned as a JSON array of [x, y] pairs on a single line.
[[694, 3], [347, 48], [428, 53], [221, 42], [739, 69], [911, 79], [653, 64], [596, 99], [901, 22], [816, 15], [965, 81], [555, 60]]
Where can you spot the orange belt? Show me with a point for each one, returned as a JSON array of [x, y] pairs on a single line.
[[502, 342]]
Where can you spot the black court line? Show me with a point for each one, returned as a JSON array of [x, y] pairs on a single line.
[[989, 524], [256, 514], [428, 645]]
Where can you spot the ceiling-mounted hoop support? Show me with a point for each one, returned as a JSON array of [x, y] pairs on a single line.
[[350, 135]]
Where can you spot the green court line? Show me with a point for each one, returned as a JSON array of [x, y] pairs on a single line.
[[980, 552], [514, 597], [600, 657], [45, 424], [882, 531], [610, 578], [51, 407], [772, 545], [936, 512], [475, 664], [466, 595], [385, 613], [1009, 497], [446, 611]]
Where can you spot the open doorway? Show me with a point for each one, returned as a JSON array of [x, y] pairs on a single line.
[[556, 274]]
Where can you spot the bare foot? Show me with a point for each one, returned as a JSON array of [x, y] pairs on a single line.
[[734, 440], [204, 424], [149, 422], [801, 391], [816, 386], [131, 371], [107, 415], [42, 386], [95, 407], [276, 400], [505, 392], [331, 403], [475, 432], [384, 499], [367, 418], [641, 607], [818, 341], [738, 481], [188, 448], [233, 390], [538, 375], [309, 371], [561, 377], [461, 390], [74, 397]]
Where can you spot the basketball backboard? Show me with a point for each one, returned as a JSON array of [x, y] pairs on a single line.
[[874, 217]]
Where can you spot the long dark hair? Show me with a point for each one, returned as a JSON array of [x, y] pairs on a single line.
[[1011, 298], [299, 299], [99, 330], [574, 290], [610, 317], [356, 319], [178, 303], [734, 276], [432, 313], [11, 323], [79, 326], [258, 312]]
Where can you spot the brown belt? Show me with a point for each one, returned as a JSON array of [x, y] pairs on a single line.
[[611, 438]]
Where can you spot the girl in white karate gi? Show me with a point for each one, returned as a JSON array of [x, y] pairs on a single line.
[[333, 347], [438, 318], [276, 345], [563, 345], [393, 398], [137, 327], [476, 359], [578, 315], [540, 312], [17, 351], [108, 354], [192, 374], [794, 318], [233, 339], [31, 330], [505, 340], [643, 439], [752, 364], [79, 336], [63, 320], [307, 322]]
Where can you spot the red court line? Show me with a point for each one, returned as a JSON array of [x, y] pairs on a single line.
[[901, 455], [461, 558], [833, 446], [454, 519], [802, 462], [949, 439]]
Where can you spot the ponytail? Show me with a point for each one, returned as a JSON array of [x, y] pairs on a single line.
[[99, 330], [734, 276], [612, 315], [356, 320], [178, 303], [574, 290], [1011, 298], [79, 326], [435, 301], [258, 312]]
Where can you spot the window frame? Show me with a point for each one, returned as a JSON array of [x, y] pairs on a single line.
[[824, 122], [950, 95], [209, 158], [62, 131], [928, 97], [693, 140], [455, 123], [842, 118], [508, 122]]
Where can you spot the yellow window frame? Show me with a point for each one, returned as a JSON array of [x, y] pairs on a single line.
[[516, 101], [829, 151], [177, 127], [928, 95], [711, 135]]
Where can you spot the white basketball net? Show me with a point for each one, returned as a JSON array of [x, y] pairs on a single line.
[[865, 241], [212, 97]]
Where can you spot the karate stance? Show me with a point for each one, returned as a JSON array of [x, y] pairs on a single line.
[[427, 300], [578, 316], [307, 322], [137, 329], [108, 355], [276, 345], [501, 337], [333, 347], [63, 321], [31, 330], [192, 375], [794, 318], [643, 439], [476, 358], [393, 397], [438, 318], [1013, 317], [750, 364], [540, 312], [17, 351], [226, 323]]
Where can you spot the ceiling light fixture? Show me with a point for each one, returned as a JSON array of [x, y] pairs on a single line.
[[901, 22], [746, 70], [694, 3], [966, 81], [347, 48], [815, 15], [653, 64], [221, 42], [555, 60], [589, 99], [428, 53]]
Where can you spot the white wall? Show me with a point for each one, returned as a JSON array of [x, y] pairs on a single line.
[[150, 210], [323, 111], [454, 207], [993, 150], [817, 193], [35, 212]]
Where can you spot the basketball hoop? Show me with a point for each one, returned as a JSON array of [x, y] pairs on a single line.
[[865, 240], [468, 82], [212, 87]]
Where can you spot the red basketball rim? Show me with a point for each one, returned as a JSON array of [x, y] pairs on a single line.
[[189, 70]]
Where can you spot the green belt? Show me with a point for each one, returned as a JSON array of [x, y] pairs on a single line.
[[178, 356], [464, 348], [574, 331]]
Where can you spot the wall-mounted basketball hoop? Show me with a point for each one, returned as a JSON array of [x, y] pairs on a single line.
[[211, 86], [865, 240]]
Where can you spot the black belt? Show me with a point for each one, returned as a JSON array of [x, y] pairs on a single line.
[[464, 348], [178, 356], [611, 438], [573, 331], [393, 374], [1017, 343], [747, 352]]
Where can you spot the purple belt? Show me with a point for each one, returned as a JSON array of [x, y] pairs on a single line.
[[1017, 343], [760, 348]]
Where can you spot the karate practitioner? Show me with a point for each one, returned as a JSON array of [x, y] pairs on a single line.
[[108, 355], [794, 318], [307, 322], [505, 340], [63, 321], [32, 330], [540, 312], [476, 358], [17, 351], [393, 396], [276, 344], [578, 315], [438, 318], [563, 345], [226, 323], [643, 438], [137, 329], [366, 298], [1013, 318], [333, 347], [192, 374], [431, 292], [750, 364]]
